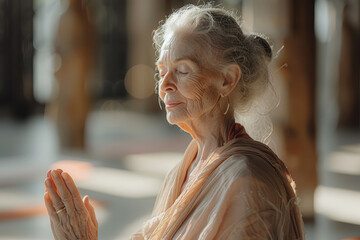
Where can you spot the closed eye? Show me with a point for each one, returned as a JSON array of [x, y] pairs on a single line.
[[183, 69], [182, 72]]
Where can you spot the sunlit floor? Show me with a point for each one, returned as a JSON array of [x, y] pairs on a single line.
[[127, 158]]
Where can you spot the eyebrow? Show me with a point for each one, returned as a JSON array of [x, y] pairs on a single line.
[[185, 58]]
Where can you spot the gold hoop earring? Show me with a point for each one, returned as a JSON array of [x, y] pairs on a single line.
[[228, 106]]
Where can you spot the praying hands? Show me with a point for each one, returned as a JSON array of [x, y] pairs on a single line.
[[71, 217]]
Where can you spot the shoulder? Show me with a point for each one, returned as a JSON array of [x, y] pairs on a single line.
[[255, 163], [248, 164], [260, 165], [255, 156]]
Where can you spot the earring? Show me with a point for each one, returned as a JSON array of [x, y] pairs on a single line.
[[228, 106]]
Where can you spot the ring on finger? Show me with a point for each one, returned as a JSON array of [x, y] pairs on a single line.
[[60, 210]]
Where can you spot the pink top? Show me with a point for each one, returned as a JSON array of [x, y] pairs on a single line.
[[243, 192]]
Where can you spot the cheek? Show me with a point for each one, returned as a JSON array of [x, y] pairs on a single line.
[[210, 96], [203, 98], [193, 87], [212, 92]]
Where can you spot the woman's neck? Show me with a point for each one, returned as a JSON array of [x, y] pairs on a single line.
[[209, 132]]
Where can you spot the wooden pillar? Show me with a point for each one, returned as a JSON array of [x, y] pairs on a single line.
[[74, 45], [299, 134]]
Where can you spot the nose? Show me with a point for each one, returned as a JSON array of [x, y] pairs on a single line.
[[167, 83]]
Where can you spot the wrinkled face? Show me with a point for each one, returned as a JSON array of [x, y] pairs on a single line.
[[188, 88]]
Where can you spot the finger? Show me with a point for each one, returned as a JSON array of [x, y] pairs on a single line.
[[77, 212], [55, 198], [50, 209], [54, 218], [76, 196], [64, 193], [48, 174], [90, 209]]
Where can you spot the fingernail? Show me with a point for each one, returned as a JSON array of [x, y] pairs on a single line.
[[48, 173]]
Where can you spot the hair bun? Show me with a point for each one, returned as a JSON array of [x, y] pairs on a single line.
[[262, 42]]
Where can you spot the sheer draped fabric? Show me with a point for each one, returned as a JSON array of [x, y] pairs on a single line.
[[243, 192]]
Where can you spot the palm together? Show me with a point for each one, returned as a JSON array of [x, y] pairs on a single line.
[[71, 217]]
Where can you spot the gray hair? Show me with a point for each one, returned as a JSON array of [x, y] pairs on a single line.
[[219, 33]]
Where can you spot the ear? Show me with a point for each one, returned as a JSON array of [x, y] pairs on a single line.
[[231, 76]]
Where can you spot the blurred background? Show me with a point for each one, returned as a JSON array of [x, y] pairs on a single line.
[[77, 93]]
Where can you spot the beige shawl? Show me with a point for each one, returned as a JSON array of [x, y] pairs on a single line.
[[244, 192]]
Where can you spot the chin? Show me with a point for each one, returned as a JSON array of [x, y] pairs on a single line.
[[174, 118]]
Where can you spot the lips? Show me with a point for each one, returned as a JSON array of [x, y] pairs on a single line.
[[171, 104]]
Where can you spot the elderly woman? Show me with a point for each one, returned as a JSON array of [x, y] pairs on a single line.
[[228, 186]]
